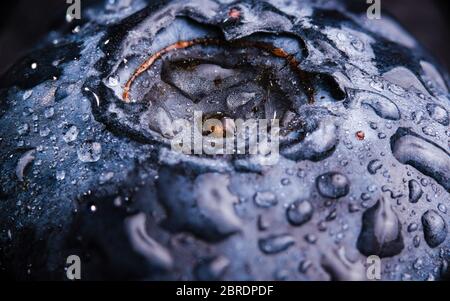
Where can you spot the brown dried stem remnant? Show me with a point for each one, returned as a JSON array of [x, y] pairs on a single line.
[[277, 52]]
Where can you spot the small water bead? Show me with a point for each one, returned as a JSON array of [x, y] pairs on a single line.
[[23, 129], [44, 132], [429, 131], [27, 94], [71, 134], [49, 112], [285, 182], [113, 81], [60, 175], [381, 135], [89, 152], [412, 227], [442, 208]]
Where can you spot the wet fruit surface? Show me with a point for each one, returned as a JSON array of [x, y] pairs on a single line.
[[87, 166]]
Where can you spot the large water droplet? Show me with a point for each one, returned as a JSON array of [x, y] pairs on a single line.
[[374, 166], [156, 255], [381, 231], [383, 107], [202, 206], [434, 228], [275, 243], [333, 185], [336, 264], [316, 146], [405, 78], [424, 155], [415, 191], [299, 212]]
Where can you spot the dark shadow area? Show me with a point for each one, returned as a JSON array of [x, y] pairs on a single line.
[[23, 23]]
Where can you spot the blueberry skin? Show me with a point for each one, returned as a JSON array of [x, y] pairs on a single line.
[[85, 173]]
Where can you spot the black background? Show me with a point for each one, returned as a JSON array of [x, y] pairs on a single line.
[[24, 22]]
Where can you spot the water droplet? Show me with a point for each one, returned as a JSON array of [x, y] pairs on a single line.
[[417, 116], [374, 166], [275, 243], [23, 129], [415, 191], [333, 185], [381, 135], [49, 112], [357, 44], [263, 224], [438, 113], [311, 238], [71, 134], [285, 181], [153, 252], [412, 227], [163, 123], [352, 208], [381, 231], [416, 241], [427, 157], [113, 81], [60, 175], [265, 199], [336, 264], [105, 177], [304, 266], [418, 264], [27, 94], [316, 146], [44, 132], [442, 208], [207, 199], [299, 212], [434, 228], [89, 151], [429, 131], [383, 107]]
